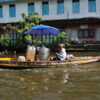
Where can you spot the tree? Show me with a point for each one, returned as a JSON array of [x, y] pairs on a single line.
[[62, 38], [9, 28], [28, 21], [21, 27]]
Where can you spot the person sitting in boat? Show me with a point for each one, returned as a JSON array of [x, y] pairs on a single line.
[[62, 53]]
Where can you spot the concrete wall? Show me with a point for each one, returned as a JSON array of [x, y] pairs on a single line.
[[84, 10], [21, 6], [73, 33]]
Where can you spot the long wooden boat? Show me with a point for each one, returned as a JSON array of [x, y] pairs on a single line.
[[13, 63]]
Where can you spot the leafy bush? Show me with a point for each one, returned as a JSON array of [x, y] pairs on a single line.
[[62, 38], [28, 39], [37, 42], [25, 24], [5, 40]]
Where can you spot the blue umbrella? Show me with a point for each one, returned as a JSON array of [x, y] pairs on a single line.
[[43, 29]]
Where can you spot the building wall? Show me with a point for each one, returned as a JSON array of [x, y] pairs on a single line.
[[84, 10], [72, 33], [98, 34], [21, 6]]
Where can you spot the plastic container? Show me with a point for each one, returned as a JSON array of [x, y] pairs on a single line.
[[31, 52]]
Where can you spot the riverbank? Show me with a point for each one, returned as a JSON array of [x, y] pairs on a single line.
[[70, 48]]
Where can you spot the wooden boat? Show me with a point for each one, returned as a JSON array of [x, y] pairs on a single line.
[[13, 63]]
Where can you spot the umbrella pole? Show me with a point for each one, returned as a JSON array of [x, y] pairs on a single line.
[[41, 39]]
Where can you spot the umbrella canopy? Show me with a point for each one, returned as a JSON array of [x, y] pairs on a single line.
[[43, 29]]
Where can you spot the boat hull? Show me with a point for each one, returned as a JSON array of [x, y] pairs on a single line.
[[14, 64]]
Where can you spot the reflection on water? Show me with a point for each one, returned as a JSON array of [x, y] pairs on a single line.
[[63, 83]]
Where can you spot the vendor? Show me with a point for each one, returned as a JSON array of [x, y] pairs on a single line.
[[62, 53]]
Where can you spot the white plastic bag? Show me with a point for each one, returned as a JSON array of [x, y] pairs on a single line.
[[43, 53]]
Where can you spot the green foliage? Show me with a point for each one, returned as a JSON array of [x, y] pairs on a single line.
[[18, 40], [28, 21], [62, 38], [28, 39], [9, 28], [37, 42], [5, 40], [25, 24]]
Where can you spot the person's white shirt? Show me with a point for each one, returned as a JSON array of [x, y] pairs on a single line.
[[63, 54]]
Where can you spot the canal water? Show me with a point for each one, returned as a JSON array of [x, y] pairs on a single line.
[[61, 83]]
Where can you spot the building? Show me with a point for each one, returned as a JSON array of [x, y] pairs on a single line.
[[80, 19]]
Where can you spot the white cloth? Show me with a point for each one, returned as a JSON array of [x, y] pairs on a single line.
[[62, 55], [70, 57], [21, 58]]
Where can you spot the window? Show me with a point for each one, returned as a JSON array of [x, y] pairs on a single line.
[[12, 10], [45, 8], [75, 6], [92, 33], [60, 7], [86, 33], [89, 33], [80, 34], [92, 5], [13, 37], [1, 11], [31, 8]]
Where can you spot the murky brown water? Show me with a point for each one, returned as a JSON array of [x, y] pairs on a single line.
[[63, 83]]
